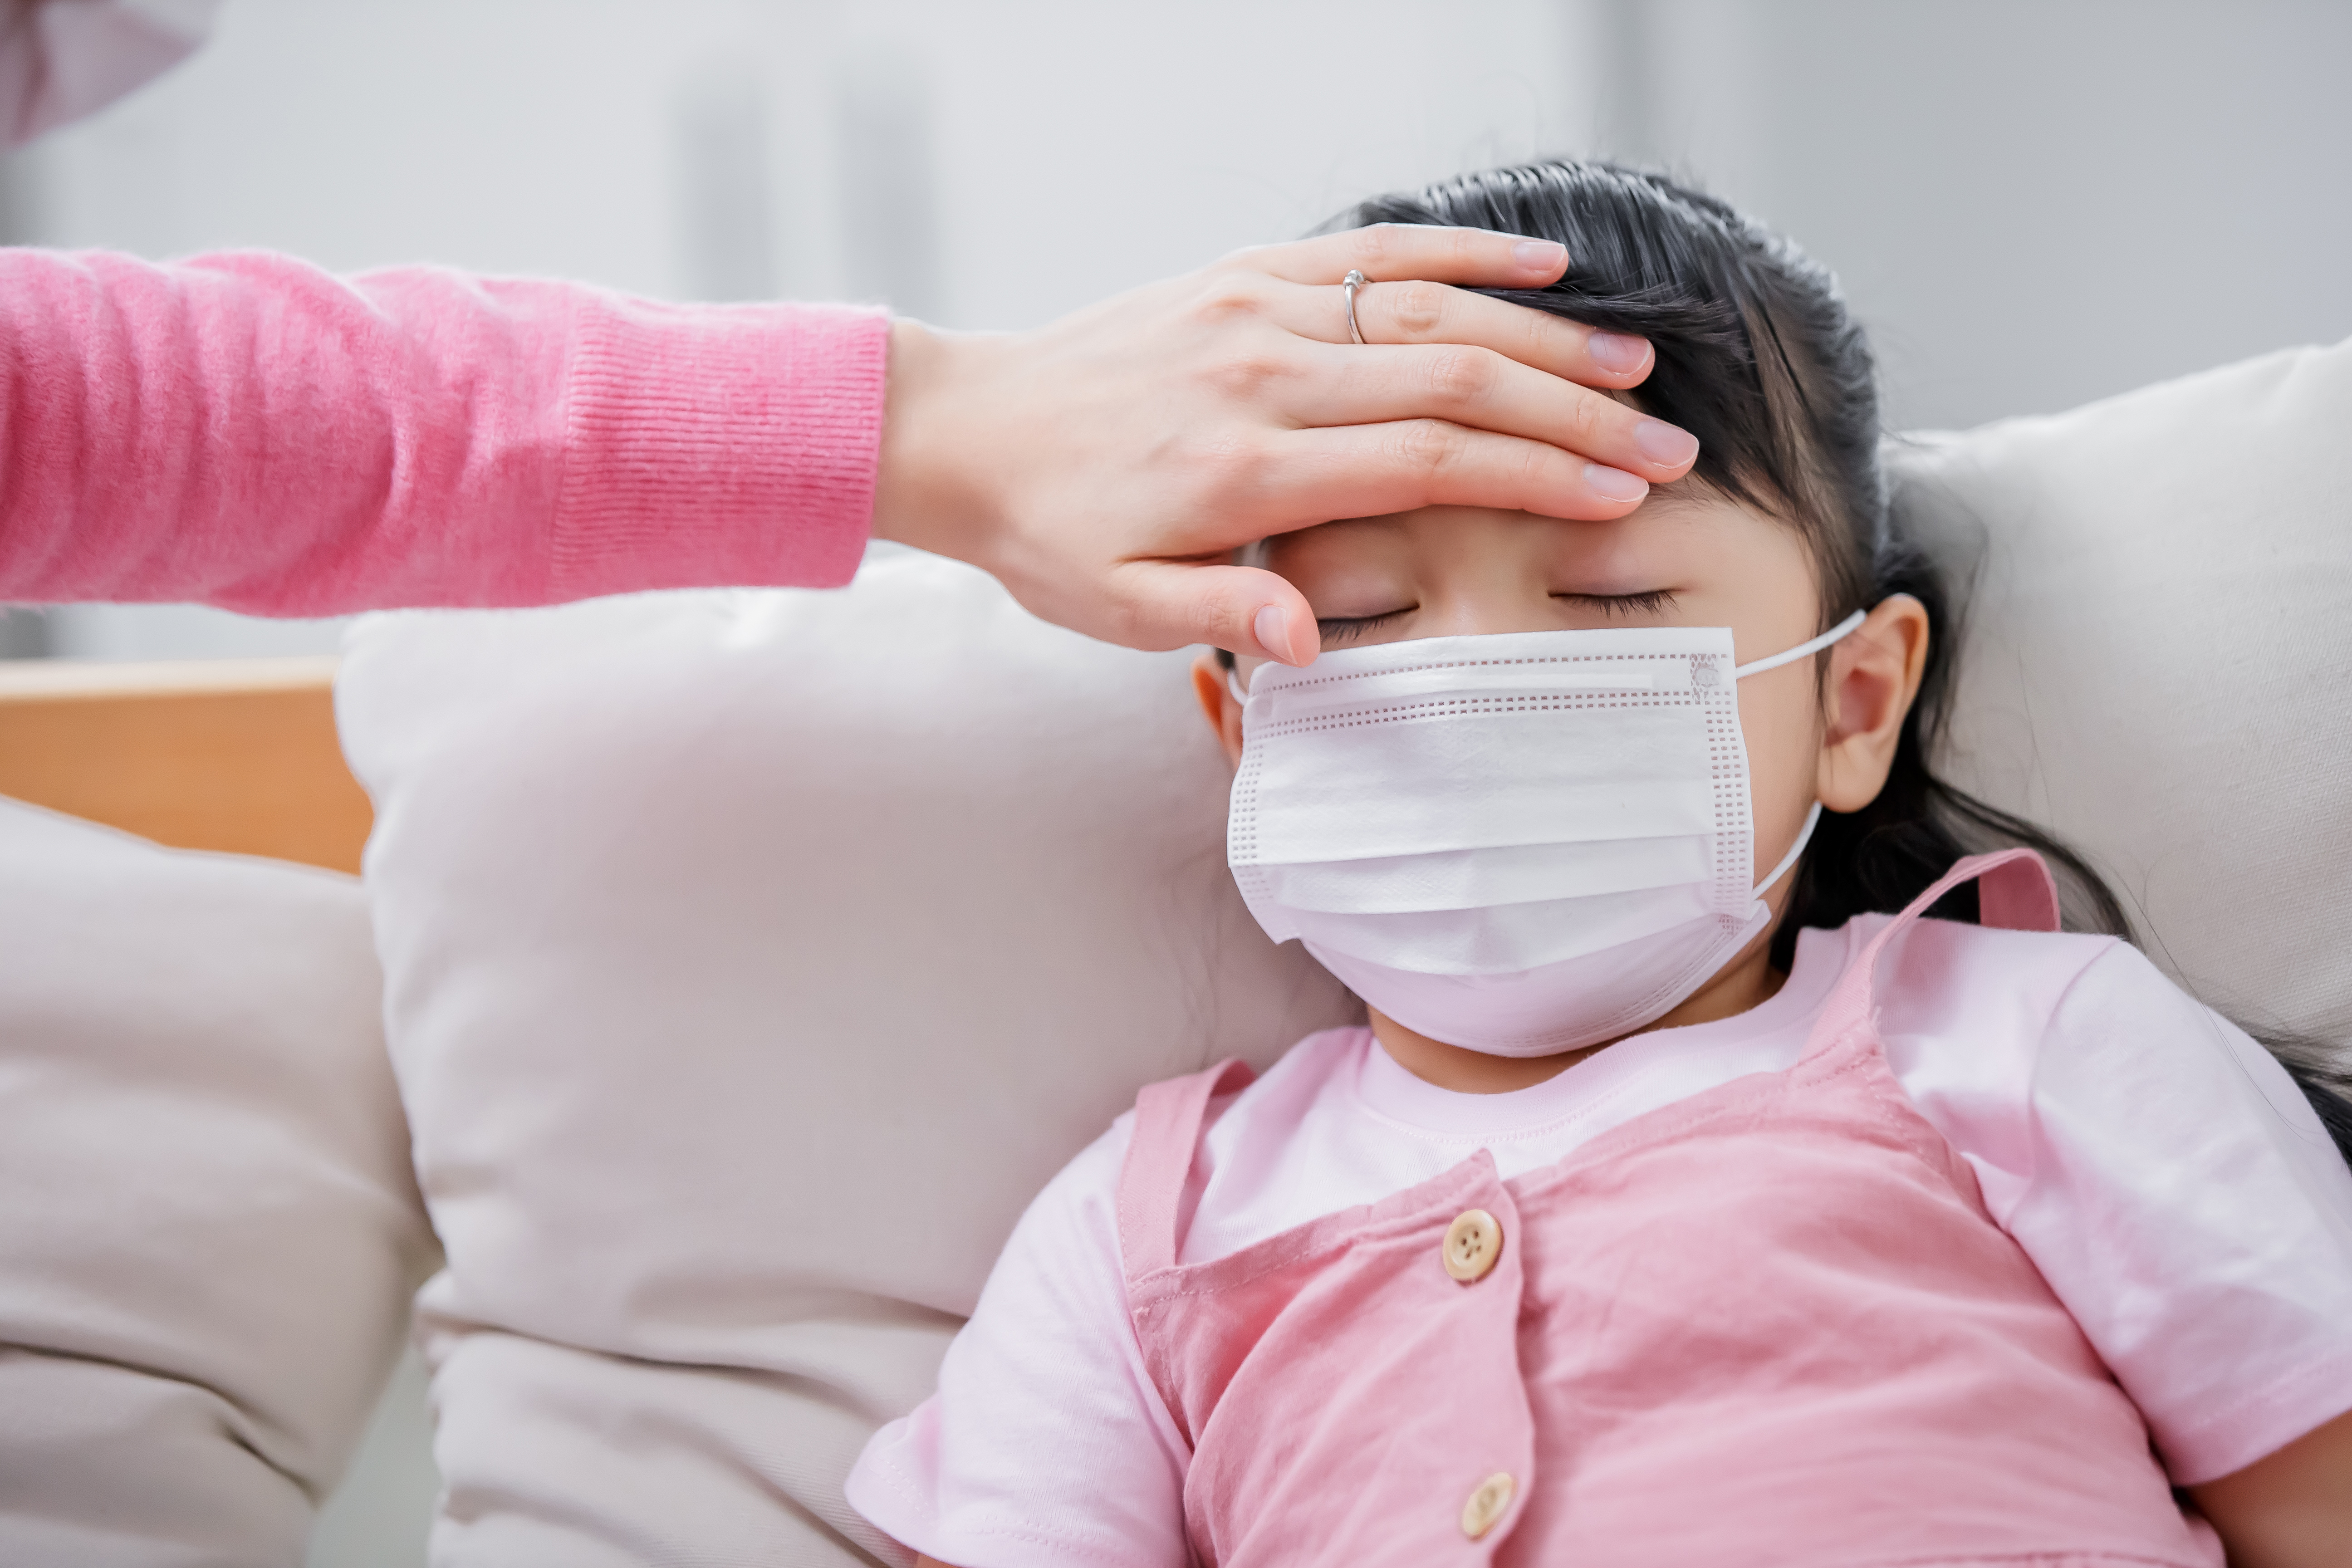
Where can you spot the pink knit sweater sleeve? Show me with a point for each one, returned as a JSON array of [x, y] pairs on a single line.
[[247, 431]]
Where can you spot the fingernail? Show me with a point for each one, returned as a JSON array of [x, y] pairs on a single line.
[[1614, 484], [1618, 352], [1273, 630], [1668, 445], [1547, 254]]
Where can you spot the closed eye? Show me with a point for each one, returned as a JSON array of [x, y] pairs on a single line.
[[1338, 631], [1657, 601]]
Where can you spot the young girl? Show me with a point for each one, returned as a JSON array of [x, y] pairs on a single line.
[[1690, 1198]]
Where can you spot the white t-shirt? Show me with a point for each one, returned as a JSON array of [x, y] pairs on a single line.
[[2159, 1167]]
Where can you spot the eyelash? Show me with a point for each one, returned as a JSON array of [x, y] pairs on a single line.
[[1656, 601], [1344, 629]]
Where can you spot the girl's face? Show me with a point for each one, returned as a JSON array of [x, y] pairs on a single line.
[[1687, 556]]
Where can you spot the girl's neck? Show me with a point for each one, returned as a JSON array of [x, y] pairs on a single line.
[[1748, 981]]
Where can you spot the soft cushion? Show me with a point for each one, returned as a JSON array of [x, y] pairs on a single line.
[[752, 959], [2157, 662], [208, 1231]]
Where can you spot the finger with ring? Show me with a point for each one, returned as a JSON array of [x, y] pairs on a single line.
[[1411, 312], [1348, 284]]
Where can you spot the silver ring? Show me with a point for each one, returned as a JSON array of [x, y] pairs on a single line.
[[1349, 284]]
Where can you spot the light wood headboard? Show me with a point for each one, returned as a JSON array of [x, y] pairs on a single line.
[[236, 754]]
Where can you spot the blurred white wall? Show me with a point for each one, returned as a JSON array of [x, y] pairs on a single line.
[[2032, 202], [976, 165]]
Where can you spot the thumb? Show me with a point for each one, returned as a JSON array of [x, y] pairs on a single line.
[[1243, 609]]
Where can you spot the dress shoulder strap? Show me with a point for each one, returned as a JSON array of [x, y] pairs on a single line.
[[2014, 892], [1168, 1118]]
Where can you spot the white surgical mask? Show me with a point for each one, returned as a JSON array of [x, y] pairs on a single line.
[[1522, 844]]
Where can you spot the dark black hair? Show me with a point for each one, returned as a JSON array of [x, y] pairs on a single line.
[[1758, 357]]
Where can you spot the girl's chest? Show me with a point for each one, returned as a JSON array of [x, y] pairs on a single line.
[[1783, 1298]]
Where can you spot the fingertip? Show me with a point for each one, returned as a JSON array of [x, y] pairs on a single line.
[[1246, 610], [1615, 486], [1281, 637], [1621, 354], [1542, 259], [1670, 448], [1271, 627]]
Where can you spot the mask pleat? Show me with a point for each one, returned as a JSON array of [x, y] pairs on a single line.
[[1486, 681], [1479, 781], [1473, 941], [1477, 878]]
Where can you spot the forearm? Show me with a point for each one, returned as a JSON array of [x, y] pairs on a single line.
[[247, 431], [2290, 1510]]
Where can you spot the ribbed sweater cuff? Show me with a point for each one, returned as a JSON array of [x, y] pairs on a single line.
[[713, 446]]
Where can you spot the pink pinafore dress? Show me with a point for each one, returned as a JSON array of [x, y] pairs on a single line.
[[1771, 1324]]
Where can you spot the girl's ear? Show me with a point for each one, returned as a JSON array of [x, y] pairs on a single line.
[[1873, 678], [1217, 703]]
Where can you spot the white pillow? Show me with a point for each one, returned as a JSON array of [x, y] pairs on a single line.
[[2158, 660], [208, 1231], [752, 959]]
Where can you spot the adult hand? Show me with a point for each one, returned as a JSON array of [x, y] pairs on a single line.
[[1106, 467]]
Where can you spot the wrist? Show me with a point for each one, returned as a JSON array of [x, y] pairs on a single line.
[[931, 485]]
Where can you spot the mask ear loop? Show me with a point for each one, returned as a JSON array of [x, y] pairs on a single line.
[[1234, 684], [1804, 836], [1802, 649], [1813, 816]]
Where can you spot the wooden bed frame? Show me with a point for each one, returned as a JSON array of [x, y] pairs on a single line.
[[234, 755]]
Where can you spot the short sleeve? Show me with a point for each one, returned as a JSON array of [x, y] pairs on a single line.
[[2187, 1206], [1047, 1442]]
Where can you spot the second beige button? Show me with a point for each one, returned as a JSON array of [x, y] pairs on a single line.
[[1473, 1242]]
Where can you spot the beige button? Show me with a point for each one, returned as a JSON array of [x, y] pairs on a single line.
[[1487, 1505], [1473, 1242]]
